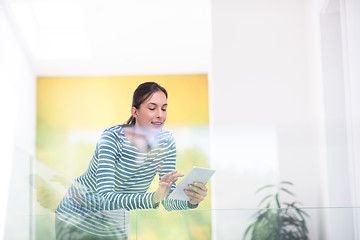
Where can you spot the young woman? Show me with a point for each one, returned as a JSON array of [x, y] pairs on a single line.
[[126, 160]]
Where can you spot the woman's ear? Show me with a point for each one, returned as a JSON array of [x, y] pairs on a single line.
[[134, 112]]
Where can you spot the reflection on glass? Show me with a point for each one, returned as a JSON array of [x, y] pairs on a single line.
[[115, 182]]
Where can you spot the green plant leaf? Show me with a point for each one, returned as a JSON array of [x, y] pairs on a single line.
[[302, 212], [286, 182], [268, 204], [290, 204], [277, 200], [264, 187], [248, 229], [287, 191], [301, 230], [264, 199]]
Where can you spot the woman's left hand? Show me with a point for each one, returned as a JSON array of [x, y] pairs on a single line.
[[196, 192]]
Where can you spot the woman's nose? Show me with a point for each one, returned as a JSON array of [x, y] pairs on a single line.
[[158, 113]]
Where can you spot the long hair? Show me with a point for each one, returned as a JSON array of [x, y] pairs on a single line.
[[141, 94]]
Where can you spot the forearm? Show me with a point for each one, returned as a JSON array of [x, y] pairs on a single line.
[[113, 201], [172, 204]]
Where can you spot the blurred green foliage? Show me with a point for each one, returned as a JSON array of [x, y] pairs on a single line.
[[277, 219]]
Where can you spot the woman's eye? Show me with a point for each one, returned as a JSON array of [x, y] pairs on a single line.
[[164, 109], [152, 109]]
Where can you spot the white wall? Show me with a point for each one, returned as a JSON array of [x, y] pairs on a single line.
[[340, 29], [265, 118], [349, 11], [18, 114], [338, 165], [285, 106]]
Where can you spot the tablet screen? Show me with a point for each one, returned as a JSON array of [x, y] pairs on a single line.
[[196, 174]]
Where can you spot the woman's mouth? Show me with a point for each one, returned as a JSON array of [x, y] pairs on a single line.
[[157, 124]]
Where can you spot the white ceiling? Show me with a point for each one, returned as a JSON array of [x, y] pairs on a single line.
[[113, 37]]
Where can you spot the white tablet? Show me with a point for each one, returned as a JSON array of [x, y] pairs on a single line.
[[196, 174]]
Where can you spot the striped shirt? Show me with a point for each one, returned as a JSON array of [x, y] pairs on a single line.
[[116, 181]]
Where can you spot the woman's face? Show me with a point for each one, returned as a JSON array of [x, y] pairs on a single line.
[[151, 114]]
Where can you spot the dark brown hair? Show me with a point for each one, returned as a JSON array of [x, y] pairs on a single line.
[[142, 93]]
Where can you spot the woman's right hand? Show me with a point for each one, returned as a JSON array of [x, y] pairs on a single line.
[[165, 185]]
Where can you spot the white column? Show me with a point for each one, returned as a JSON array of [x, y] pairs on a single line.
[[17, 127]]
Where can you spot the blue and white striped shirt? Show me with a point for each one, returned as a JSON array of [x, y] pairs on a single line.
[[116, 181]]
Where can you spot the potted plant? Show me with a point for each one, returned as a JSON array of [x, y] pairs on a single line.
[[278, 220]]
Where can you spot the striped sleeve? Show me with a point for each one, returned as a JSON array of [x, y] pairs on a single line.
[[168, 166], [107, 153]]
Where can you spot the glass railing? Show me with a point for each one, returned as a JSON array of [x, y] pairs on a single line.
[[318, 223], [303, 223], [33, 198]]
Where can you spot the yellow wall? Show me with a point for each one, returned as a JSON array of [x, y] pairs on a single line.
[[98, 101]]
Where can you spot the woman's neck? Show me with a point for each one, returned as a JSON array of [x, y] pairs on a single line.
[[140, 138]]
